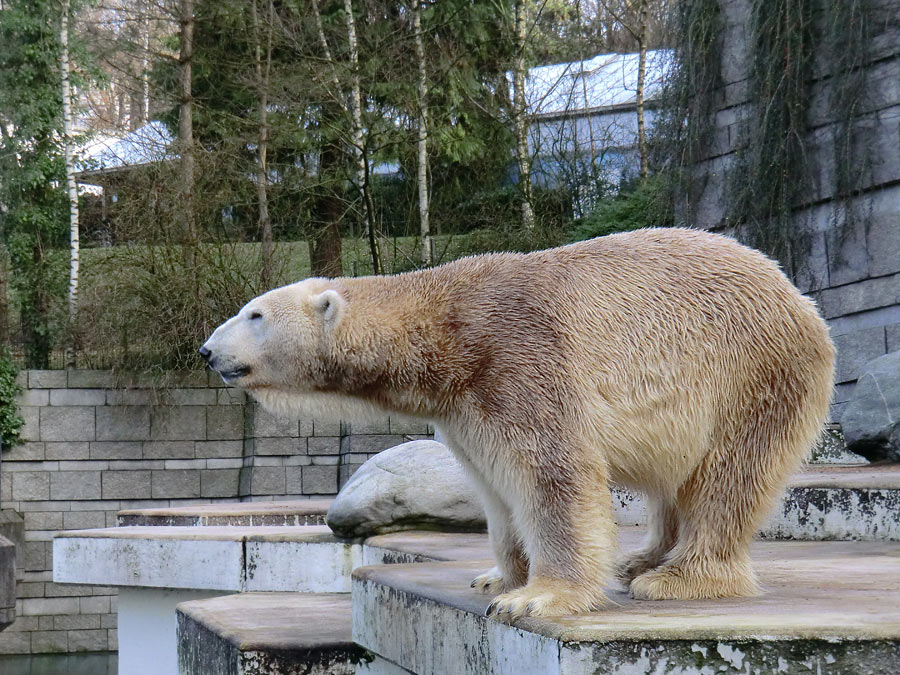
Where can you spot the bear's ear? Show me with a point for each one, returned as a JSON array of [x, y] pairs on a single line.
[[330, 305]]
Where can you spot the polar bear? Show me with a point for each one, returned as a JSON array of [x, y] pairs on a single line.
[[672, 361]]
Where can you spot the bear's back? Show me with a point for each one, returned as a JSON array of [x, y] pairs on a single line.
[[633, 315]]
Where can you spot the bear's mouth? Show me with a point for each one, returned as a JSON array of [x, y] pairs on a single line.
[[234, 374]]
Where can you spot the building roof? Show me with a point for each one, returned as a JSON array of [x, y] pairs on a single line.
[[145, 145], [604, 82]]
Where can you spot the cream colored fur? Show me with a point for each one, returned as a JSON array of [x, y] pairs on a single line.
[[675, 362]]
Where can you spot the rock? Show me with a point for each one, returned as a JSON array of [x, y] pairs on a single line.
[[871, 420], [413, 486]]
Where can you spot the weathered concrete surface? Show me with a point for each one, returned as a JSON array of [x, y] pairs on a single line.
[[413, 486], [832, 449], [878, 476], [12, 537], [828, 607], [871, 420], [410, 547], [297, 512], [7, 582], [307, 559], [839, 502], [268, 634], [822, 503]]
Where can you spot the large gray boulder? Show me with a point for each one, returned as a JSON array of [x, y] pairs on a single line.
[[413, 486], [871, 420]]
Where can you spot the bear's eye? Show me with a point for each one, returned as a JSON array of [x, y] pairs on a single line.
[[255, 315]]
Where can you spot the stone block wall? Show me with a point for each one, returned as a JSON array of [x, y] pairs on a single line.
[[95, 444], [853, 275]]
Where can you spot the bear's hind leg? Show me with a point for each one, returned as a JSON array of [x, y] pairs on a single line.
[[724, 502], [662, 535]]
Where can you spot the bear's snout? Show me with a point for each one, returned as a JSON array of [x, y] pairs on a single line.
[[205, 353]]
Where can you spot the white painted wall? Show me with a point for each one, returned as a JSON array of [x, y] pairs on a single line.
[[147, 640]]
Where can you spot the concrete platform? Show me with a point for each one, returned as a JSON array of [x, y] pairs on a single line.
[[248, 514], [268, 634], [237, 559], [828, 607]]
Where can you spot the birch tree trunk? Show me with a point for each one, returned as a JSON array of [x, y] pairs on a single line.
[[145, 63], [186, 130], [68, 132], [422, 139], [262, 174], [644, 15], [326, 51], [362, 177], [519, 115]]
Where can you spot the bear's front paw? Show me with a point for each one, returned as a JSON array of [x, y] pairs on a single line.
[[493, 581], [544, 598]]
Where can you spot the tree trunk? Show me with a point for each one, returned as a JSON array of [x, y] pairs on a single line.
[[72, 188], [520, 116], [357, 139], [325, 244], [644, 15], [323, 43], [4, 304], [145, 63], [422, 137], [186, 131], [262, 174], [36, 311]]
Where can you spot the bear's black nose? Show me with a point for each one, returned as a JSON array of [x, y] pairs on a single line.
[[205, 353]]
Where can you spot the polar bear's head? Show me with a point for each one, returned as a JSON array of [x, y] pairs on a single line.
[[279, 340]]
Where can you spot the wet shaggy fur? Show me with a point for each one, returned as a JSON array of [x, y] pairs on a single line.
[[675, 362]]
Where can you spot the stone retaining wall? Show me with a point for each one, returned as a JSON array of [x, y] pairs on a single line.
[[853, 275], [95, 444]]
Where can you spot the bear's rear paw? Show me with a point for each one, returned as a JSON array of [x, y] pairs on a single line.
[[544, 597], [493, 581], [635, 564], [670, 582]]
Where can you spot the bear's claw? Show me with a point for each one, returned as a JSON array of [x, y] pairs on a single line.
[[492, 581], [538, 600]]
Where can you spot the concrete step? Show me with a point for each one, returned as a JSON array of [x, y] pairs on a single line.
[[288, 633], [222, 558], [269, 634], [823, 502], [828, 607], [840, 502], [247, 514], [158, 567]]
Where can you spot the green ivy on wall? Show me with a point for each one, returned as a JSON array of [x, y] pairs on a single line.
[[792, 45], [10, 420]]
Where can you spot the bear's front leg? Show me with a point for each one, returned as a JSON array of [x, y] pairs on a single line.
[[564, 516], [511, 570]]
